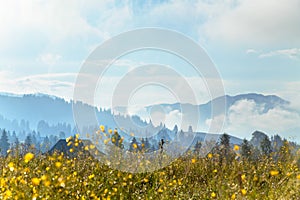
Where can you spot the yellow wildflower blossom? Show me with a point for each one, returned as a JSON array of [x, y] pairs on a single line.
[[274, 172], [35, 181], [213, 195], [236, 147], [28, 157]]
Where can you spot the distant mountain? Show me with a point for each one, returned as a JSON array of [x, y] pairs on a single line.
[[50, 114], [34, 108], [25, 112], [217, 106]]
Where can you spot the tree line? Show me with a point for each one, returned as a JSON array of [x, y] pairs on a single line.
[[32, 141]]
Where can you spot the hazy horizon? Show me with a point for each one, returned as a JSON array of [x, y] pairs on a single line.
[[253, 45]]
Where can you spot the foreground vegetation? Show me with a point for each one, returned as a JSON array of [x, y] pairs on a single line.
[[190, 177]]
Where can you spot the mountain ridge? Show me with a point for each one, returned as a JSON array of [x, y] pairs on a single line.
[[34, 108]]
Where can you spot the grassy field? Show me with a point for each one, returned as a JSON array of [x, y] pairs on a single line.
[[190, 177]]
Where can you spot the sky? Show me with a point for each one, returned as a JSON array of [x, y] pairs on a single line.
[[254, 44]]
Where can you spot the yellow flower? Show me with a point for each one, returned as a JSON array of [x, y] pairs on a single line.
[[233, 196], [215, 171], [110, 131], [44, 177], [298, 177], [146, 180], [91, 176], [58, 164], [243, 177], [213, 195], [61, 182], [11, 166], [68, 139], [71, 150], [274, 172], [243, 191], [160, 190], [47, 183], [35, 181], [8, 193], [28, 157], [255, 178], [236, 147], [102, 128], [209, 155], [26, 170], [194, 160], [134, 145], [130, 176]]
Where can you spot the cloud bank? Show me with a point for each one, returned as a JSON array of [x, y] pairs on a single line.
[[245, 116]]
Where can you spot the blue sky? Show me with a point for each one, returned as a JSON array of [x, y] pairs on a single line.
[[247, 40], [254, 44]]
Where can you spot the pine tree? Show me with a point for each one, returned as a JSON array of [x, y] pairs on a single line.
[[175, 129], [46, 144], [4, 144], [27, 143], [16, 147], [266, 146], [225, 147], [145, 145], [246, 149], [14, 137], [285, 153], [198, 147], [62, 135], [134, 147], [117, 140], [190, 130], [225, 141]]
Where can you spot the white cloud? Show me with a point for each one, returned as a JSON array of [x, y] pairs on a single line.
[[58, 25], [58, 84], [251, 51], [291, 92], [256, 23], [49, 58], [174, 117], [246, 116], [292, 53], [215, 125]]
